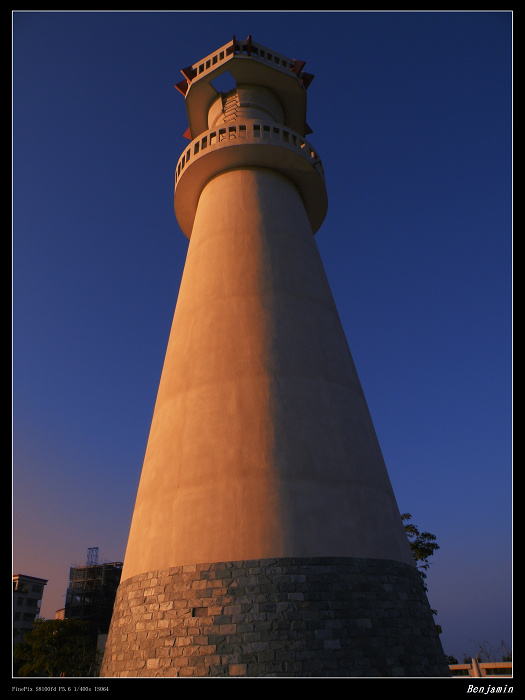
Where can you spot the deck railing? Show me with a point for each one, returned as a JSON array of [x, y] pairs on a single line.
[[241, 48], [263, 134], [478, 669]]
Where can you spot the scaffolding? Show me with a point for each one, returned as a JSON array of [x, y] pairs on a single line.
[[91, 592]]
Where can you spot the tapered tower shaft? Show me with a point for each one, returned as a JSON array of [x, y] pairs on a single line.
[[262, 455], [261, 443]]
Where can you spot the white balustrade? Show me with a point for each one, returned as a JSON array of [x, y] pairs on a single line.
[[257, 134]]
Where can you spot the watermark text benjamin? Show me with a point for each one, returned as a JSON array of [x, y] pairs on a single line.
[[486, 689]]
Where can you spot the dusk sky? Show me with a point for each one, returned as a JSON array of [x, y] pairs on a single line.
[[411, 114]]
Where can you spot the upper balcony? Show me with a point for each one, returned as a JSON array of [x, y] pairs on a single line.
[[238, 145], [248, 63]]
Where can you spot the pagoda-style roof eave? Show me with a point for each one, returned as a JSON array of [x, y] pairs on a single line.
[[256, 65]]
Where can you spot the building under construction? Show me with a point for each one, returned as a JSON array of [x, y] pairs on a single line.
[[91, 592]]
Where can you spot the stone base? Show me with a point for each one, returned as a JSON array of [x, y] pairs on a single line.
[[296, 617]]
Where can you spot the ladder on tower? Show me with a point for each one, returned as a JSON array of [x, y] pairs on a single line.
[[229, 107]]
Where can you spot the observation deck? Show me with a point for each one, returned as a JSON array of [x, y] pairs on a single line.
[[248, 63], [258, 122], [249, 145]]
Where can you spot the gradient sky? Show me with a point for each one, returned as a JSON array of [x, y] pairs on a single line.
[[412, 115]]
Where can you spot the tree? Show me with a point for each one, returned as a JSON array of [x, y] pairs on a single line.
[[423, 546], [57, 648], [486, 652]]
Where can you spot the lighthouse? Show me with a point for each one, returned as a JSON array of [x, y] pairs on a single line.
[[266, 539]]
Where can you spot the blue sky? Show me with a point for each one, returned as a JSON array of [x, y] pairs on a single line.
[[411, 113]]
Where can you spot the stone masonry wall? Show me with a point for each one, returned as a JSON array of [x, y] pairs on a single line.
[[280, 617]]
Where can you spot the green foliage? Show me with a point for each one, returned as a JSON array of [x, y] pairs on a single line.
[[423, 546], [57, 648]]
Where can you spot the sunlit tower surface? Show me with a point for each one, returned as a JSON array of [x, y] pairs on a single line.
[[266, 539]]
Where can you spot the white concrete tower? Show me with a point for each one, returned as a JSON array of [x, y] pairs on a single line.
[[262, 461]]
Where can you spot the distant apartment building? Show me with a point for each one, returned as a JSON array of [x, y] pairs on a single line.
[[27, 599]]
